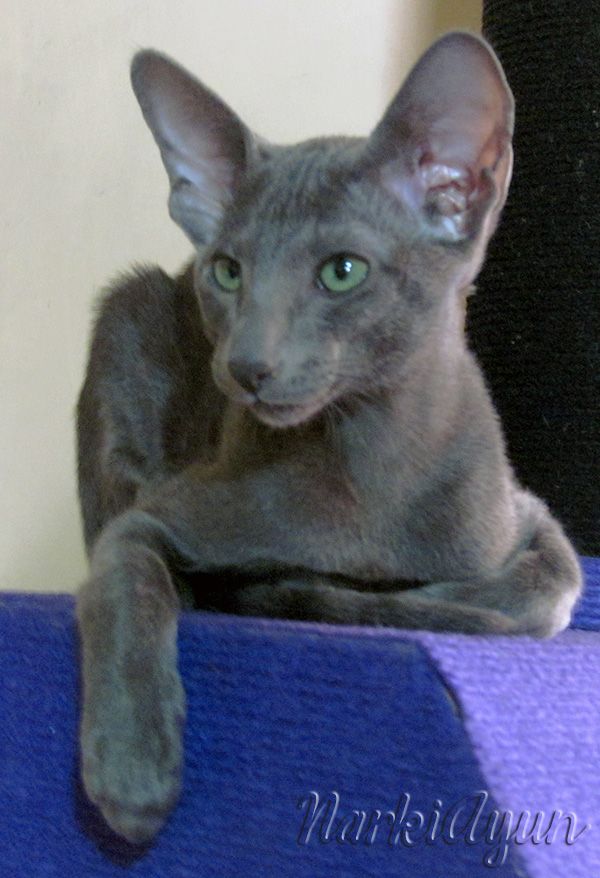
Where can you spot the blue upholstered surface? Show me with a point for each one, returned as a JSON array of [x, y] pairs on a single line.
[[587, 612], [277, 710]]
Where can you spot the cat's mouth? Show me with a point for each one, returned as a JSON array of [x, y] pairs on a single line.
[[276, 415]]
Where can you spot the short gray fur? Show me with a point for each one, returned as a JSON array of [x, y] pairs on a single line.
[[284, 450]]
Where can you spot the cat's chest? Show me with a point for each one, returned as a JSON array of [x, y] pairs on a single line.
[[408, 522], [383, 474]]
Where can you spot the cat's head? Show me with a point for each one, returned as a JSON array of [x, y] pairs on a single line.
[[323, 268]]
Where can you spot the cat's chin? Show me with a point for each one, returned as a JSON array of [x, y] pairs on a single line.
[[282, 416]]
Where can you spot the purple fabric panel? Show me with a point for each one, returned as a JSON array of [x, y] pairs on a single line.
[[532, 711]]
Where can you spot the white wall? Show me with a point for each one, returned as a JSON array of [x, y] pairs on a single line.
[[83, 190]]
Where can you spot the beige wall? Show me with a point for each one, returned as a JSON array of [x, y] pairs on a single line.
[[83, 190]]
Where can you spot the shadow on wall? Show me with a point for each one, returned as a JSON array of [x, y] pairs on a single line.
[[52, 557], [413, 32], [448, 15]]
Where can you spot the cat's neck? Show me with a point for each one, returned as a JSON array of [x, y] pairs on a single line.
[[423, 399], [405, 426]]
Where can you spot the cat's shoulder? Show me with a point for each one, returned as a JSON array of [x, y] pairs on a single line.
[[145, 293]]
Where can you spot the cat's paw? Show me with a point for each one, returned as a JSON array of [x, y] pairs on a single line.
[[131, 766]]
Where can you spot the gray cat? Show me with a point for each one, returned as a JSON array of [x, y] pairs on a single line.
[[294, 426]]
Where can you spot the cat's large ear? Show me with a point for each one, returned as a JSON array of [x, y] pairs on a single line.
[[204, 146], [444, 145]]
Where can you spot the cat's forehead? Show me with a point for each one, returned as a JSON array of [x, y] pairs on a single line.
[[296, 191], [296, 180]]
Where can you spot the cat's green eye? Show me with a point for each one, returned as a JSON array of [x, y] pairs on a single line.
[[343, 272], [228, 273]]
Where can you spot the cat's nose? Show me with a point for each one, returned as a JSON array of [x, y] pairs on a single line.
[[250, 374]]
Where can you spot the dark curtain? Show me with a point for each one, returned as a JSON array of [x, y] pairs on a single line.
[[534, 322]]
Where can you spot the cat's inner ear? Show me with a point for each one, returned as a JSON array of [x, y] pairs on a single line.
[[204, 146], [444, 145]]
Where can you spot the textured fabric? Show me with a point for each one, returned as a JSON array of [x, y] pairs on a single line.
[[587, 611], [535, 320], [276, 710], [532, 711]]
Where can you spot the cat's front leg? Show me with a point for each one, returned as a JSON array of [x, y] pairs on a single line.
[[133, 700], [532, 594], [324, 601], [538, 585]]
